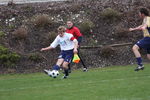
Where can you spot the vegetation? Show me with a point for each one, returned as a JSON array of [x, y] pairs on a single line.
[[20, 33], [86, 27], [35, 57], [7, 58], [111, 83], [107, 51], [110, 14], [2, 33]]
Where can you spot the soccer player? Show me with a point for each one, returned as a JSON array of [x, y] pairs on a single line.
[[144, 42], [68, 45], [76, 33]]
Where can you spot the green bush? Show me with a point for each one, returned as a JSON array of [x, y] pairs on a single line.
[[86, 27], [121, 32], [110, 14], [8, 58], [36, 57], [2, 33]]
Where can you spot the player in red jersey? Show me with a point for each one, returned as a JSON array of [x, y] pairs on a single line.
[[78, 35]]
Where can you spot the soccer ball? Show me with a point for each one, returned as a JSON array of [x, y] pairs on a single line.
[[54, 73]]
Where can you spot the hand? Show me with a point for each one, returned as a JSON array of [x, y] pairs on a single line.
[[131, 29], [42, 49], [75, 51]]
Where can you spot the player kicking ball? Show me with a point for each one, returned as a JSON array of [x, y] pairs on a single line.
[[68, 45]]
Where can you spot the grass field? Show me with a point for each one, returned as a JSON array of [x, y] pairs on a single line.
[[111, 83]]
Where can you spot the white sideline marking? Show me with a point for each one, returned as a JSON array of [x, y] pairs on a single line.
[[69, 84]]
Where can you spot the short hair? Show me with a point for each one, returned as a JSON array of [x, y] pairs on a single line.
[[61, 29], [144, 11]]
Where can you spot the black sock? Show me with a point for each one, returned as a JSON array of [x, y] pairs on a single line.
[[69, 68], [66, 72]]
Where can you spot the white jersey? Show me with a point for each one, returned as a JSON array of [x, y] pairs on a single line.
[[65, 42]]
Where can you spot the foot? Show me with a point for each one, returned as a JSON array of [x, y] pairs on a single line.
[[64, 77], [139, 68], [85, 69], [48, 72]]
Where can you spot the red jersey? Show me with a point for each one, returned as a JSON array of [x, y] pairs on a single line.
[[74, 31]]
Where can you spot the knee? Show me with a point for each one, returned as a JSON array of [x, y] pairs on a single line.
[[65, 65], [134, 48]]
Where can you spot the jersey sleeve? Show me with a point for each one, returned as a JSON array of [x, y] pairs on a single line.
[[148, 22], [77, 32], [55, 43]]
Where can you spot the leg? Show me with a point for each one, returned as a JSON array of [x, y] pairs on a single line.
[[138, 57], [65, 67], [84, 66], [148, 56]]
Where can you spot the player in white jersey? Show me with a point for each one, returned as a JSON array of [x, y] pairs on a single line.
[[68, 45]]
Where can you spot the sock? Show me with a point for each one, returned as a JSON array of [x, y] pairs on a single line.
[[69, 68], [56, 67], [66, 72], [139, 61]]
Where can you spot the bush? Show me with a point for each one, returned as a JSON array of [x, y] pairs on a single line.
[[20, 33], [7, 58], [35, 57], [86, 27], [107, 51], [121, 32], [2, 33], [42, 20], [110, 14]]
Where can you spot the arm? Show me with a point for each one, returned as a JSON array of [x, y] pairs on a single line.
[[53, 45], [75, 46], [47, 48], [136, 28]]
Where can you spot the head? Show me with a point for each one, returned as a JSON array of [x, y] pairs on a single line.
[[61, 30], [69, 24], [143, 12]]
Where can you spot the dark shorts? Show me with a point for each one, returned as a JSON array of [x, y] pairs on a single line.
[[67, 55], [144, 44], [79, 39]]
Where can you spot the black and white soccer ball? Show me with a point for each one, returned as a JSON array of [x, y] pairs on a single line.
[[54, 73]]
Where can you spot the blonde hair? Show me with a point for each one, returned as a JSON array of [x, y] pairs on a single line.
[[61, 29]]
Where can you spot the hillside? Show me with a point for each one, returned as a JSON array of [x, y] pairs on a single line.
[[26, 28]]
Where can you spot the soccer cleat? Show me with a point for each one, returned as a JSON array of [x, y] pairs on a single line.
[[64, 77], [48, 72], [85, 69], [139, 68]]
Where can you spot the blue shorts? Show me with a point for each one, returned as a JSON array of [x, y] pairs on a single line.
[[145, 44], [67, 55]]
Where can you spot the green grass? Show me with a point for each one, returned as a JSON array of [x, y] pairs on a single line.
[[110, 83]]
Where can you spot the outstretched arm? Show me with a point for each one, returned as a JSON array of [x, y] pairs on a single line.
[[47, 48], [141, 27]]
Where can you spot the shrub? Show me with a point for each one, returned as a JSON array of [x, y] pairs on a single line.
[[20, 33], [107, 51], [8, 58], [110, 14], [42, 20], [52, 36], [86, 27], [35, 57], [2, 33], [121, 32]]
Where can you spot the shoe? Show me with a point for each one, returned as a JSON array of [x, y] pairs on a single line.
[[64, 77], [85, 69], [48, 72], [139, 68]]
